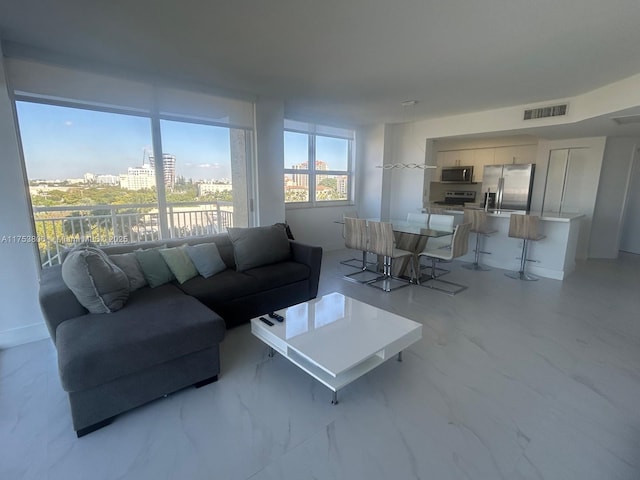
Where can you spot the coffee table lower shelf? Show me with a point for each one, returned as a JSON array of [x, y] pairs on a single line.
[[334, 381]]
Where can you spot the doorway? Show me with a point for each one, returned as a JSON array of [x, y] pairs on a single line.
[[630, 238]]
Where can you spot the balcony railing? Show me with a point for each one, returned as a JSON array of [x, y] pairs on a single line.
[[58, 228]]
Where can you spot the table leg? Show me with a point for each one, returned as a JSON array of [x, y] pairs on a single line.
[[272, 352], [400, 356], [334, 398]]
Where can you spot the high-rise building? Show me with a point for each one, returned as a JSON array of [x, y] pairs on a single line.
[[302, 179], [168, 168], [138, 178]]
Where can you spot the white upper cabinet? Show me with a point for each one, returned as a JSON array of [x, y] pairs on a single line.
[[484, 156], [519, 154]]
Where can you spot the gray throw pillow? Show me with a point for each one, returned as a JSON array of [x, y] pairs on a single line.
[[155, 269], [179, 263], [258, 246], [128, 263], [98, 284], [206, 258]]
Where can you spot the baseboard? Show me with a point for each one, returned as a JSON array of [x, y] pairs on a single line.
[[21, 335]]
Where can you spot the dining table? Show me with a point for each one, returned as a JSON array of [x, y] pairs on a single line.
[[413, 237]]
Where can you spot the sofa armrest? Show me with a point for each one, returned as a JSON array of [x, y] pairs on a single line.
[[57, 302], [310, 256]]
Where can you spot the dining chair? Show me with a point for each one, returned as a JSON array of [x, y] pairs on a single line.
[[353, 262], [524, 227], [459, 247], [479, 226], [357, 238], [382, 242], [421, 218], [440, 222]]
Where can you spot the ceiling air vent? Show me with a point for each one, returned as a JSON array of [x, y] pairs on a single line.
[[545, 112]]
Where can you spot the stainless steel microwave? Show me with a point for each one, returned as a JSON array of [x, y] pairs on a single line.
[[457, 174]]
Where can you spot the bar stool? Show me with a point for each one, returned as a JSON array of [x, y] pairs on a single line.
[[382, 242], [357, 238], [526, 228], [478, 220]]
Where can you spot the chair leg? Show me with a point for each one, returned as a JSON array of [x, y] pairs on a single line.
[[386, 281], [363, 275], [521, 274], [434, 280], [476, 262]]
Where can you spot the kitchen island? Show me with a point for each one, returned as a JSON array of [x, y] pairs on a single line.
[[552, 257]]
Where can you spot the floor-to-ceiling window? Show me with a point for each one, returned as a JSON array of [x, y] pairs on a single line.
[[118, 173]]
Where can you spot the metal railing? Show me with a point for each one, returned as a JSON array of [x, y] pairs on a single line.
[[58, 228]]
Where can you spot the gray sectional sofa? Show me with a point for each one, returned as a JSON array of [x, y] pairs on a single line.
[[164, 338]]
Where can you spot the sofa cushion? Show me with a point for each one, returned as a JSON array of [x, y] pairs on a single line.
[[219, 289], [274, 276], [258, 246], [128, 263], [98, 284], [206, 258], [179, 263], [158, 325], [155, 269]]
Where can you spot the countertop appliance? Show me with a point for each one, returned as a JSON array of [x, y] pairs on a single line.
[[457, 198], [508, 186], [456, 174]]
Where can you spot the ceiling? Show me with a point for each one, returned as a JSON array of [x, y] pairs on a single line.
[[351, 62]]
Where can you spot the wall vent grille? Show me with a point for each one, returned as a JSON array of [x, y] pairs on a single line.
[[546, 112]]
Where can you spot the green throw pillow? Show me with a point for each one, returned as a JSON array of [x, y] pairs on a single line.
[[155, 269], [179, 263], [206, 258]]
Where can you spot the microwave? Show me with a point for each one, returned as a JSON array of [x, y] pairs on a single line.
[[457, 174]]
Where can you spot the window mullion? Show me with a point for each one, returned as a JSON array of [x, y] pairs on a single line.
[[312, 169]]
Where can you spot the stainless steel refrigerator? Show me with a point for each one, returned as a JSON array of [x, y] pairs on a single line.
[[508, 186]]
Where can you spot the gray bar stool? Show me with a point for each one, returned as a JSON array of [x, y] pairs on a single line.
[[526, 228], [478, 220]]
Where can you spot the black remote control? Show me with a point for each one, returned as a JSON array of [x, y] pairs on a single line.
[[276, 316], [268, 322]]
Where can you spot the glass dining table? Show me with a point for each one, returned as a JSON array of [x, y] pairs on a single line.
[[411, 236]]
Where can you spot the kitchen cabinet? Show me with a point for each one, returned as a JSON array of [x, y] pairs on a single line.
[[483, 156], [518, 154], [479, 157]]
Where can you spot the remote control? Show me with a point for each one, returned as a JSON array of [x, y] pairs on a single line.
[[276, 316], [268, 322]]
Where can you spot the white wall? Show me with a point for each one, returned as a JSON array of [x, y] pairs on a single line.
[[269, 118], [405, 185], [369, 153], [592, 161], [608, 215], [20, 316]]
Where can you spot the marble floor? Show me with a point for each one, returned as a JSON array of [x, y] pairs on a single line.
[[511, 380]]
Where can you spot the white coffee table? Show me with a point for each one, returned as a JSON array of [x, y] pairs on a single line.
[[337, 339]]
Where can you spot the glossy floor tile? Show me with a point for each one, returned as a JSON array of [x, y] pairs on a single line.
[[511, 380]]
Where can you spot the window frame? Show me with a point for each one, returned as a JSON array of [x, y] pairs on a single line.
[[313, 173]]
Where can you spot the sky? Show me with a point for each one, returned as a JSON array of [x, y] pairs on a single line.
[[62, 142]]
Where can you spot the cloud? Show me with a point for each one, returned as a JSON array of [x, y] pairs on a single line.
[[68, 123], [209, 165]]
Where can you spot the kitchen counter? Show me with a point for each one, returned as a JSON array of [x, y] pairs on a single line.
[[552, 257]]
